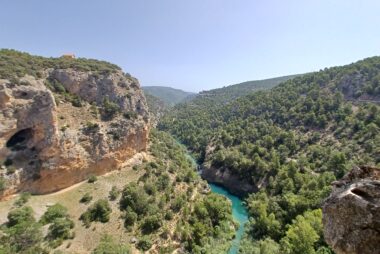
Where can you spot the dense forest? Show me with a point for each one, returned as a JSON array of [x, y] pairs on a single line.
[[291, 142]]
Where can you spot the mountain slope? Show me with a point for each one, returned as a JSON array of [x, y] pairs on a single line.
[[288, 144], [170, 96], [229, 93]]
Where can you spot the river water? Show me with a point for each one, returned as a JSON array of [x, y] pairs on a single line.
[[239, 211]]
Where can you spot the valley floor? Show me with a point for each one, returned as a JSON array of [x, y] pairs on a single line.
[[86, 238]]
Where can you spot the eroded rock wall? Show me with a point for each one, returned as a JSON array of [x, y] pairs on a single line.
[[47, 144]]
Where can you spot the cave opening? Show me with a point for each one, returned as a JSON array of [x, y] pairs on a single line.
[[20, 139]]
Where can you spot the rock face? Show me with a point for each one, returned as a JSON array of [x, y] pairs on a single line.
[[231, 182], [47, 142], [351, 215]]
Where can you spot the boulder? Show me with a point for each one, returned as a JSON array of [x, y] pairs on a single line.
[[351, 214]]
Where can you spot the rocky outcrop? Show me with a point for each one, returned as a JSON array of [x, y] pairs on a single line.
[[47, 142], [351, 215], [222, 176]]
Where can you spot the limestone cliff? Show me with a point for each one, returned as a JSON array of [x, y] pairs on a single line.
[[64, 124], [351, 215]]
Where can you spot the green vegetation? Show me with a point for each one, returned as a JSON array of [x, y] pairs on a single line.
[[86, 198], [107, 245], [114, 193], [53, 212], [23, 234], [92, 179], [23, 199], [58, 88], [15, 64], [232, 92], [3, 184], [59, 230], [294, 140], [99, 211], [156, 106], [170, 96], [109, 108], [145, 243], [60, 227]]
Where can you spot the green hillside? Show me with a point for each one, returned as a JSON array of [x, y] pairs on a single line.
[[290, 143], [235, 91], [170, 96]]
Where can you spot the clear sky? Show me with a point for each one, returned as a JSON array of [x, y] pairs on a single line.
[[197, 44]]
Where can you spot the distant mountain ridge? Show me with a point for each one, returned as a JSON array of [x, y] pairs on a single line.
[[231, 92], [168, 95]]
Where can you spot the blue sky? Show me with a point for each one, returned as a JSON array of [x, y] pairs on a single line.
[[199, 44]]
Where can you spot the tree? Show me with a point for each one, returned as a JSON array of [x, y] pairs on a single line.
[[60, 228], [22, 233], [54, 212], [303, 234], [99, 211], [151, 223]]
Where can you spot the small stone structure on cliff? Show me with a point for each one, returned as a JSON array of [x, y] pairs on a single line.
[[351, 215], [60, 127]]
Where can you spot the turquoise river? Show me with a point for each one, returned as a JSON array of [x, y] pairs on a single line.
[[239, 211]]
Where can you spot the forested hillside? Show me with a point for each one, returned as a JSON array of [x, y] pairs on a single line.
[[290, 143], [170, 96], [229, 93], [156, 108]]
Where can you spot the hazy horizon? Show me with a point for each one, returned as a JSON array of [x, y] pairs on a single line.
[[197, 45]]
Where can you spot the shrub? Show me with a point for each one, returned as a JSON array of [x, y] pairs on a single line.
[[110, 109], [169, 215], [114, 193], [61, 228], [99, 211], [86, 198], [3, 184], [22, 233], [92, 179], [107, 245], [134, 196], [144, 244], [130, 115], [54, 212], [91, 126], [130, 218], [151, 224], [20, 215], [23, 199]]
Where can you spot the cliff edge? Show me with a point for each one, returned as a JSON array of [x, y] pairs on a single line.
[[62, 120], [351, 214]]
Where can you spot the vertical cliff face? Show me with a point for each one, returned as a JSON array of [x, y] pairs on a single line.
[[351, 215], [66, 124]]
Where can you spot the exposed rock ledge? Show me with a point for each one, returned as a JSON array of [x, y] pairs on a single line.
[[47, 144], [232, 183], [351, 215]]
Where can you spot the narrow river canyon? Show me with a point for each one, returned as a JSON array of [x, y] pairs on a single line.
[[239, 211]]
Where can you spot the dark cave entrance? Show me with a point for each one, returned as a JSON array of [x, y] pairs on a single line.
[[20, 139]]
